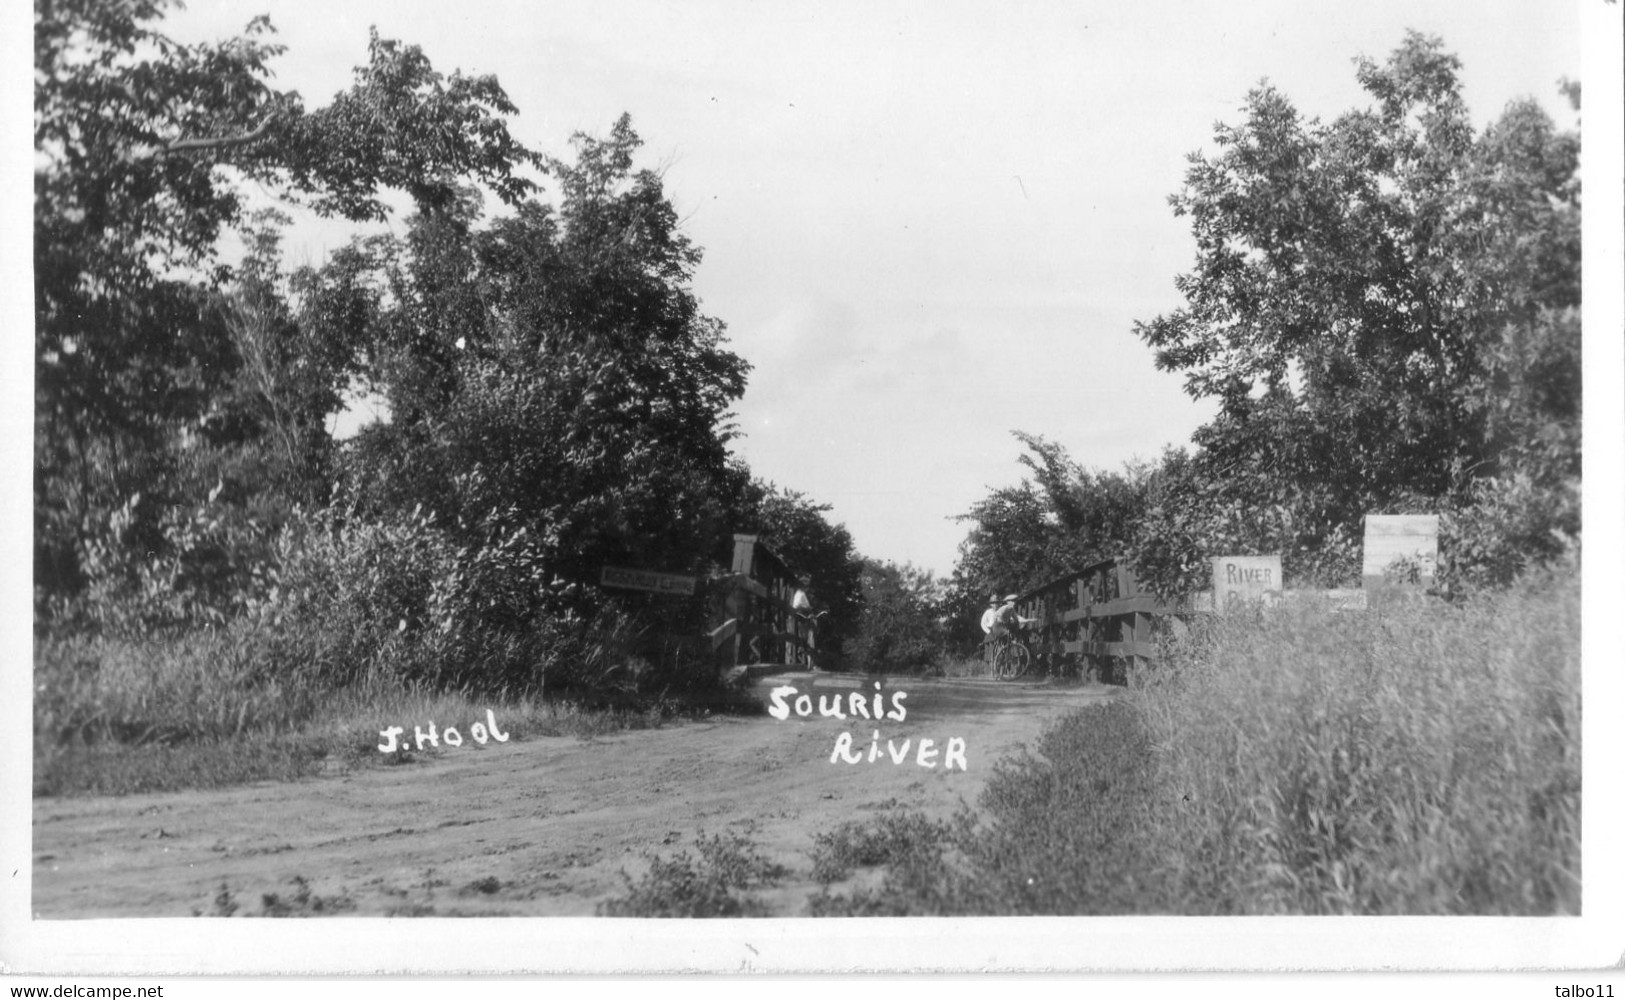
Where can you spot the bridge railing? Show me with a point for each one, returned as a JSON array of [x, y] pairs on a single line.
[[757, 621], [1095, 621]]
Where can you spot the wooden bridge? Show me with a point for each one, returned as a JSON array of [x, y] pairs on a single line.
[[1095, 621], [753, 603]]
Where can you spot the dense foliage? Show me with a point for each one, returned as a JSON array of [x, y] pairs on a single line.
[[557, 401], [144, 342], [1405, 760], [1059, 518], [1385, 308], [903, 630], [1410, 759], [551, 382]]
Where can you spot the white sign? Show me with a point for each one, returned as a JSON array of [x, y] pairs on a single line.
[[638, 579], [1391, 538], [1245, 578]]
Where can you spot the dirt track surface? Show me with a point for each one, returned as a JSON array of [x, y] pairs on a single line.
[[536, 828]]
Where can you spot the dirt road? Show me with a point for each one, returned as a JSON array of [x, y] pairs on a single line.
[[536, 828]]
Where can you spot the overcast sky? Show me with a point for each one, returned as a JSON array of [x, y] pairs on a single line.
[[926, 224]]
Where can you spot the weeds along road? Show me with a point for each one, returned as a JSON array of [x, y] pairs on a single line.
[[536, 828]]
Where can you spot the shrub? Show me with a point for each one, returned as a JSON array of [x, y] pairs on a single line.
[[204, 564], [118, 716], [718, 885], [402, 600], [346, 592], [888, 839], [303, 902], [1513, 524], [901, 630]]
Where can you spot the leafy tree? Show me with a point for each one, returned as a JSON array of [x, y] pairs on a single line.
[[290, 370], [135, 134], [1061, 517], [902, 628], [1008, 547], [1385, 308], [549, 375], [1094, 511], [558, 401], [144, 146]]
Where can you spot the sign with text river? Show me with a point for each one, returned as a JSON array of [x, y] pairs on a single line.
[[1245, 578]]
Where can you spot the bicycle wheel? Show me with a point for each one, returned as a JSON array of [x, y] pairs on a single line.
[[1020, 660], [1011, 661], [1000, 657]]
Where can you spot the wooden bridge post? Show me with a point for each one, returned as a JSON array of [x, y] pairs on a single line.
[[758, 607], [1137, 627], [739, 600], [744, 554], [1092, 627]]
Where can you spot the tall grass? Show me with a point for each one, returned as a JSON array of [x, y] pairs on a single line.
[[1069, 829], [202, 685], [1414, 758], [201, 709], [965, 666]]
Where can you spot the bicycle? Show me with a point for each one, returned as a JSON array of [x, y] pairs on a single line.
[[1011, 658]]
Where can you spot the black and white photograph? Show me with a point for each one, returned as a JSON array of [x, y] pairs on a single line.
[[634, 488]]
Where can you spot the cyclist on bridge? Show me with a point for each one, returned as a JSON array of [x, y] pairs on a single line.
[[1009, 656], [1001, 618]]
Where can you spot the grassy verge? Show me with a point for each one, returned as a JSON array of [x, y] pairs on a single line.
[[1055, 836], [1059, 831], [962, 667], [117, 717], [1417, 758]]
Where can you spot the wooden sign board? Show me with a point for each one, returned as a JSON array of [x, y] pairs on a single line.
[[1245, 578], [638, 579], [1391, 537]]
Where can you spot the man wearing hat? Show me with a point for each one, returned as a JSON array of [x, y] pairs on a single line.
[[990, 616], [1000, 616]]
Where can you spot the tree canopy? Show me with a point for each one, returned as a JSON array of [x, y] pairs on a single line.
[[143, 330], [557, 400], [550, 371], [1385, 308], [1060, 517]]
